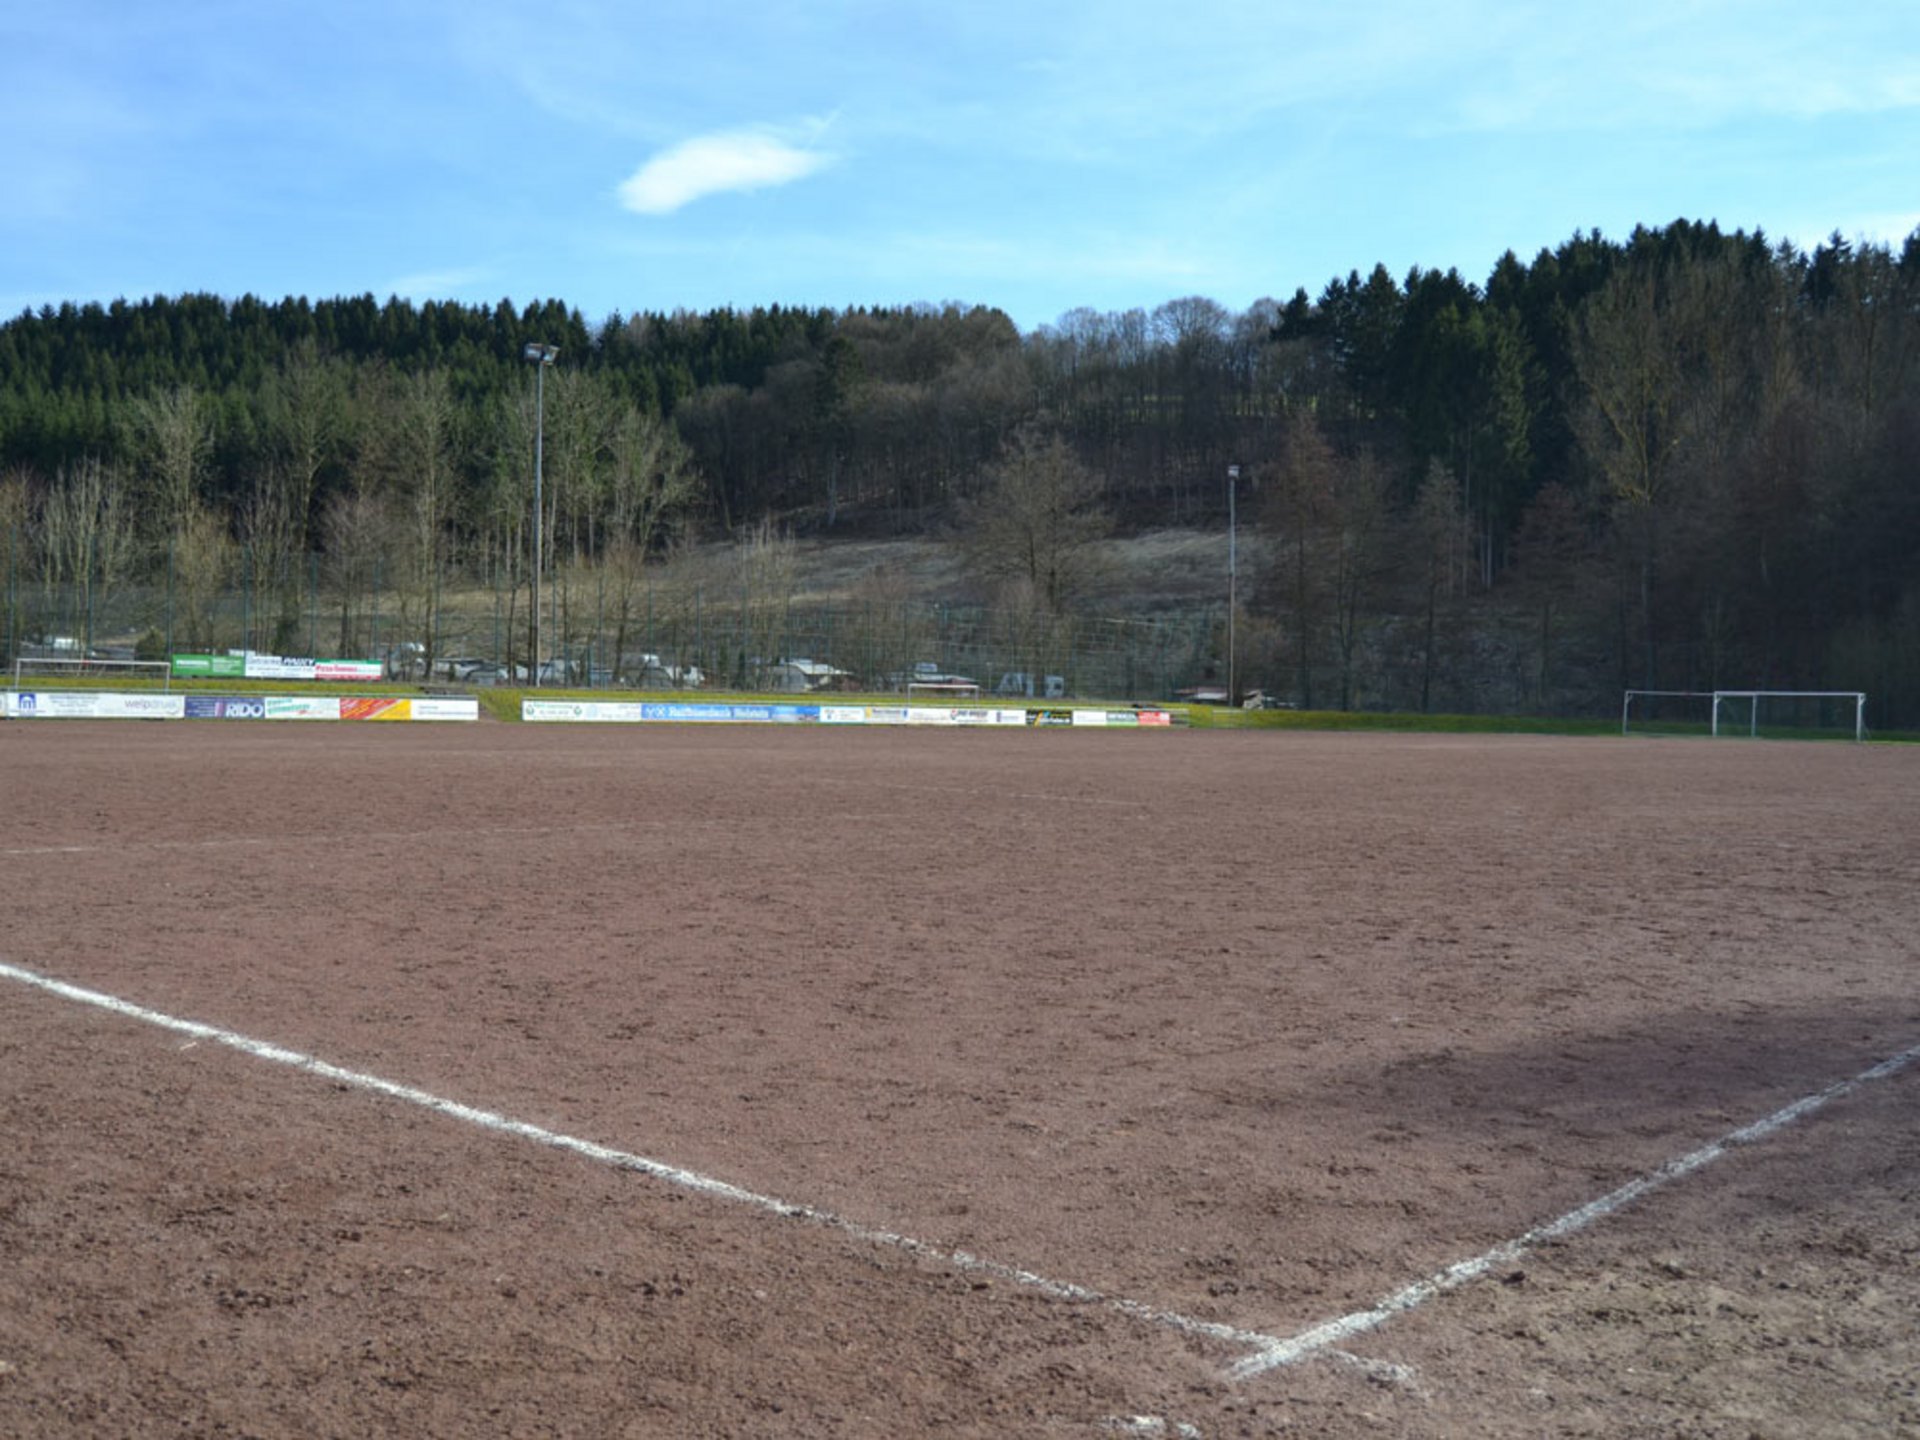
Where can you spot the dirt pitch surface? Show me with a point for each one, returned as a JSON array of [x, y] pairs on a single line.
[[1064, 1080]]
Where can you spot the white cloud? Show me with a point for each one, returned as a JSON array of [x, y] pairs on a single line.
[[437, 284], [713, 165]]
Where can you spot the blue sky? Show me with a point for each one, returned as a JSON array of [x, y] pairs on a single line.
[[1033, 156]]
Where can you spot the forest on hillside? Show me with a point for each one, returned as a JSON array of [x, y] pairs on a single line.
[[1686, 460]]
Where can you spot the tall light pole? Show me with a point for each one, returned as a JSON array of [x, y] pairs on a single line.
[[1233, 576], [541, 356]]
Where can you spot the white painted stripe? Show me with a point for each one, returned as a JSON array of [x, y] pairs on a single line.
[[363, 838], [624, 1160], [1311, 1342], [1270, 1352]]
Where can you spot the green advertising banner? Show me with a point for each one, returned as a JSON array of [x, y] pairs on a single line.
[[212, 667]]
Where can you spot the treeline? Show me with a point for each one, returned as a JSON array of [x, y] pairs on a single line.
[[1683, 459]]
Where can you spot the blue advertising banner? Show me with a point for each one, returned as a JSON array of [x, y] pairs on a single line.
[[730, 714], [226, 707]]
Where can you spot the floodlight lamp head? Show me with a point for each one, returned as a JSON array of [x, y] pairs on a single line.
[[540, 354]]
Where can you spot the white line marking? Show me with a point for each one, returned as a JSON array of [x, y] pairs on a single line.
[[658, 1170], [364, 837], [1151, 1425], [1270, 1352], [913, 789], [1330, 1333]]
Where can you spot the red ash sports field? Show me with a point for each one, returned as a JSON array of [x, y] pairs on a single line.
[[1099, 1064]]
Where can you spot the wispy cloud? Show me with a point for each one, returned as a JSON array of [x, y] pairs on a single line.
[[737, 160], [434, 284]]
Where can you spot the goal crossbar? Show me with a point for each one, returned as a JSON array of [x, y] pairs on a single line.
[[1753, 698], [942, 690], [1717, 712], [1626, 704], [29, 670]]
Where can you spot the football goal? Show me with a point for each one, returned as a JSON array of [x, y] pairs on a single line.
[[45, 672], [1772, 714], [1667, 712], [942, 690]]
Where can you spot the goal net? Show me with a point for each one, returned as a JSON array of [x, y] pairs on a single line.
[[1772, 714], [1667, 712], [48, 672], [1791, 714], [942, 690]]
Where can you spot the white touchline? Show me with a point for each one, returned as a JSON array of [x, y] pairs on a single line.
[[1321, 1337], [1269, 1352], [620, 1159], [366, 837]]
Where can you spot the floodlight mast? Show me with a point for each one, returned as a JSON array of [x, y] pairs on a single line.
[[541, 356]]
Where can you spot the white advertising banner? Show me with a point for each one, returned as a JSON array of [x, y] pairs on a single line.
[[446, 709], [303, 707], [289, 667], [93, 705], [928, 715], [587, 712], [277, 667]]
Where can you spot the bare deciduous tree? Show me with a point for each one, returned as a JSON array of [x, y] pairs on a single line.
[[764, 571], [422, 449], [87, 526], [356, 529], [1039, 521], [203, 556], [1302, 497], [173, 436], [1356, 559], [650, 487], [15, 512]]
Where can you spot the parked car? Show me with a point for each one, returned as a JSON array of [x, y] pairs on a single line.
[[1261, 700], [463, 669]]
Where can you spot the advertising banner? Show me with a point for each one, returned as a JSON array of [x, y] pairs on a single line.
[[450, 708], [731, 714], [1048, 718], [275, 667], [278, 667], [209, 667], [665, 712], [582, 711], [303, 707], [226, 707], [92, 705], [325, 707], [867, 714], [376, 707]]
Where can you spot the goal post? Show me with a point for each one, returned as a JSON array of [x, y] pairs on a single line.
[[1809, 714], [1667, 712], [30, 672], [1753, 714], [942, 690]]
